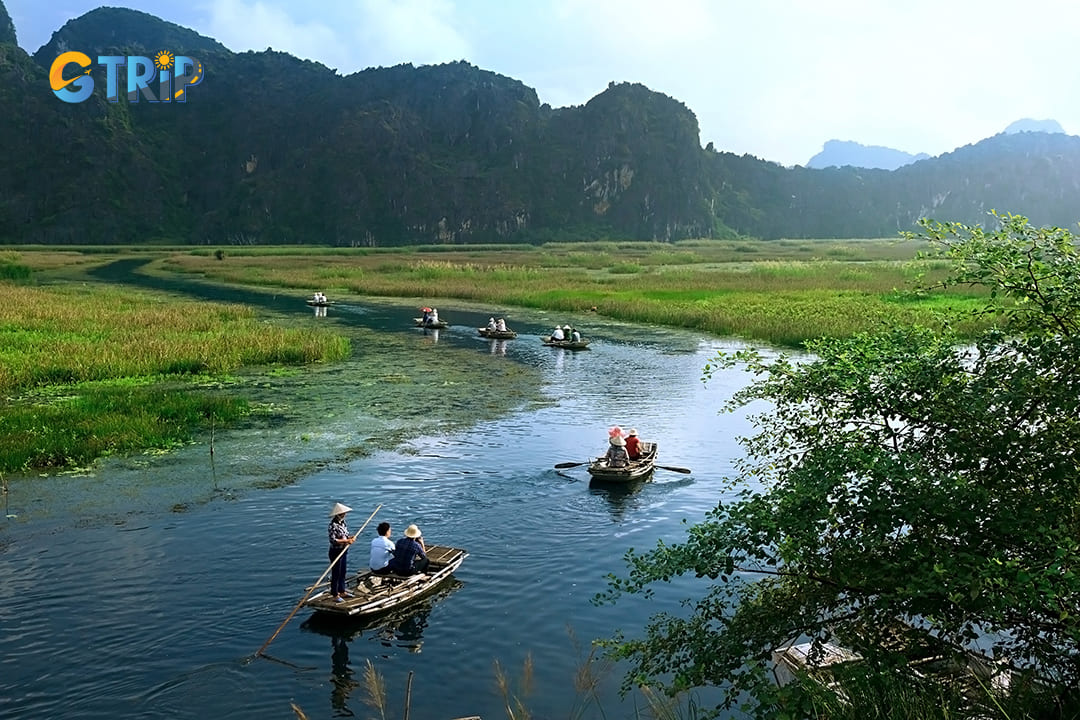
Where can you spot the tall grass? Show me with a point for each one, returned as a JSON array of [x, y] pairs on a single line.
[[90, 371], [63, 334], [99, 420], [780, 301]]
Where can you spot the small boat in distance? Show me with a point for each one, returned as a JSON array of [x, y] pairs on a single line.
[[436, 325], [567, 344], [378, 594], [637, 469], [497, 334]]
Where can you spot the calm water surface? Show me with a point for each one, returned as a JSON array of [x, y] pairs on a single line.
[[143, 588]]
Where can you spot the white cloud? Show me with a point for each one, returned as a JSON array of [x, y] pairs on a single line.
[[240, 25], [422, 32]]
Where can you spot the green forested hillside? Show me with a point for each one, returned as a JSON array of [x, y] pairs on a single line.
[[272, 149]]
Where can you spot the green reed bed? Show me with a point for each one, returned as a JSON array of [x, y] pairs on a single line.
[[84, 368], [96, 420], [65, 334], [784, 302]]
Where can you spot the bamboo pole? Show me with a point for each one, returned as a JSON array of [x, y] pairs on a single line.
[[315, 584]]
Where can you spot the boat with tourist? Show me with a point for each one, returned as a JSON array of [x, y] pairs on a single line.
[[565, 344], [377, 594], [637, 469], [497, 334], [430, 319]]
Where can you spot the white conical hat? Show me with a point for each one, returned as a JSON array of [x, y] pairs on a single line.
[[338, 509]]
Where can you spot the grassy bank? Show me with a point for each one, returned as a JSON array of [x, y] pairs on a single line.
[[782, 293], [89, 370]]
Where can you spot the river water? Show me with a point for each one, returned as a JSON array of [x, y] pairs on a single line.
[[142, 587]]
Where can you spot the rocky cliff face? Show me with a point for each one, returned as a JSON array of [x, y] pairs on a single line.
[[271, 149], [135, 32], [7, 28]]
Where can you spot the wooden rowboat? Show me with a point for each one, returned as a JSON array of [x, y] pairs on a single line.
[[378, 594], [319, 303], [497, 334], [566, 344], [439, 325], [636, 470]]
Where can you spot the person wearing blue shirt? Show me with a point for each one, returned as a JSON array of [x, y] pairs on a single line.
[[382, 550], [410, 555]]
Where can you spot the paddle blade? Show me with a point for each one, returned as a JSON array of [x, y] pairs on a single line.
[[684, 471], [561, 466]]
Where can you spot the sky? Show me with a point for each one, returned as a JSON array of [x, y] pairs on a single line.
[[771, 78]]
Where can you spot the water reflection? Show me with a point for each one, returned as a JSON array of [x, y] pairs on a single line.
[[619, 496], [431, 334], [403, 628], [498, 347], [623, 498], [320, 310], [341, 679]]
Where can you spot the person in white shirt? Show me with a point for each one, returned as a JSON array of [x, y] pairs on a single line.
[[557, 334], [382, 549], [501, 325]]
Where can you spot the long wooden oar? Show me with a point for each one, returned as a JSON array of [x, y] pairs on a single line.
[[684, 471], [315, 584], [560, 466]]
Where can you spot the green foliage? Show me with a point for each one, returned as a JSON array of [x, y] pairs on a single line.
[[14, 271], [97, 420], [63, 338], [896, 478]]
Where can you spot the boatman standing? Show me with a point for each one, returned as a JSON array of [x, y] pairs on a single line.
[[340, 541]]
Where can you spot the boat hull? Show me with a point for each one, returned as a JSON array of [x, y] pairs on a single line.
[[378, 594], [440, 325]]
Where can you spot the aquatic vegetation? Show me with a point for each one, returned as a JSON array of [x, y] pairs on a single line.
[[62, 334], [783, 292], [94, 420], [91, 371]]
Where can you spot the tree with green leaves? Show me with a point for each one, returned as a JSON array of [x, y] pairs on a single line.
[[899, 479]]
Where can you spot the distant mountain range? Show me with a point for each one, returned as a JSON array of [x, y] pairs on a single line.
[[1029, 125], [272, 149], [840, 153]]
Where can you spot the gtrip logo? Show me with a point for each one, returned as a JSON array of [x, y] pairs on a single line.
[[71, 80]]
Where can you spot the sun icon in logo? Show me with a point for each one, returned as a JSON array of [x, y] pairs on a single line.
[[163, 60]]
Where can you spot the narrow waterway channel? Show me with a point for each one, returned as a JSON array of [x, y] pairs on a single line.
[[142, 587]]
